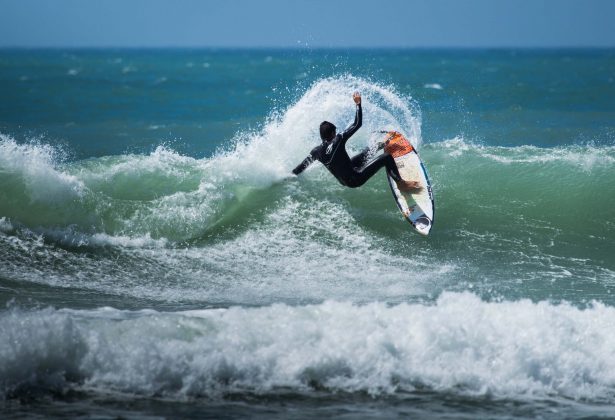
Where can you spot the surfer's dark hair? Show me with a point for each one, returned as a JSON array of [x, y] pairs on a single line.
[[327, 130]]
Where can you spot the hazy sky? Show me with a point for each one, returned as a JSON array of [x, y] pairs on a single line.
[[318, 23]]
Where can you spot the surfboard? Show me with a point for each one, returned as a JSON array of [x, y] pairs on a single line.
[[417, 207]]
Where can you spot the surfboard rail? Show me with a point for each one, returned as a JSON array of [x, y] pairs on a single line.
[[411, 168]]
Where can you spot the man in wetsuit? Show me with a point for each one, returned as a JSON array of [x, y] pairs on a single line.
[[350, 172]]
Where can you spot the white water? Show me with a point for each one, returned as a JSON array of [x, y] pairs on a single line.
[[460, 344]]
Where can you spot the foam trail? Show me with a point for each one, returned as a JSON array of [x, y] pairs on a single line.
[[302, 251]]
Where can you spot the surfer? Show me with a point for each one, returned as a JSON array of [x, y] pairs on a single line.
[[350, 172]]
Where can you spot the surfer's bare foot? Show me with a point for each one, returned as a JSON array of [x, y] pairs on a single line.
[[409, 186]]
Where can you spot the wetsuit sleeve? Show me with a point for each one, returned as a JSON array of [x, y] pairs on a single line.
[[306, 162], [358, 121]]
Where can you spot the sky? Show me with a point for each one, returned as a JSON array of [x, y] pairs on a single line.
[[305, 23]]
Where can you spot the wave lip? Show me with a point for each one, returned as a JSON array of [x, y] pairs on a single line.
[[460, 344], [32, 166]]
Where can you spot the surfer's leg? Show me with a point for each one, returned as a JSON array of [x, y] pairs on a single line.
[[359, 160], [374, 166], [365, 173]]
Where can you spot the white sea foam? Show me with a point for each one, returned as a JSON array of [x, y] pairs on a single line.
[[5, 225], [35, 166], [304, 250], [458, 345], [109, 171], [583, 156], [71, 237], [456, 146], [308, 250]]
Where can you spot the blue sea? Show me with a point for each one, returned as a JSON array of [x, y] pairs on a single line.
[[159, 260]]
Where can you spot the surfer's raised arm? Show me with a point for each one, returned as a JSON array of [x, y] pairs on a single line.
[[358, 118]]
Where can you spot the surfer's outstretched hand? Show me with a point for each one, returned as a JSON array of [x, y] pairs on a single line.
[[356, 97]]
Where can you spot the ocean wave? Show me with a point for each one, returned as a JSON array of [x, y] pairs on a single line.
[[174, 197], [235, 227], [460, 345], [552, 188], [581, 156], [170, 197], [33, 167]]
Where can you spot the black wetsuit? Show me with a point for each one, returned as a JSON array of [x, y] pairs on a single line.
[[349, 172]]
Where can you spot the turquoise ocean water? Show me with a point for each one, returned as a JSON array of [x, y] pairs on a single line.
[[157, 258]]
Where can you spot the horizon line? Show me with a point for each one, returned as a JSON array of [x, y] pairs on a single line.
[[300, 48]]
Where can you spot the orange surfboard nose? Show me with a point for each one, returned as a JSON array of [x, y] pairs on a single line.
[[397, 145]]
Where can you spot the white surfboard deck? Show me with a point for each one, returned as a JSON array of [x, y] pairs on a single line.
[[418, 208]]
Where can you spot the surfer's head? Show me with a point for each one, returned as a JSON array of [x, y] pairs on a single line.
[[327, 131]]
